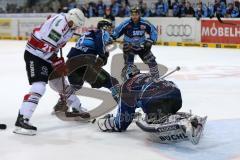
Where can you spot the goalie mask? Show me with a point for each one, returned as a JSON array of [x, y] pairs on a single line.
[[129, 71]]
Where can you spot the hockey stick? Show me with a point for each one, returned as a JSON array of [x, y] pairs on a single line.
[[166, 75], [77, 34], [63, 96], [228, 23]]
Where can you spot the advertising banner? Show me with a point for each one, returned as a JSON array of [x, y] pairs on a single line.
[[213, 31], [5, 27], [177, 29], [26, 25]]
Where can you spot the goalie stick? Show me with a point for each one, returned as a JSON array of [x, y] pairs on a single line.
[[166, 75]]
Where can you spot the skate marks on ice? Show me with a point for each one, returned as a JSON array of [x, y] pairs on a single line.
[[220, 141]]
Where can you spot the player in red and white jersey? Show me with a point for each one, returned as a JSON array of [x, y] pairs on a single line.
[[41, 59]]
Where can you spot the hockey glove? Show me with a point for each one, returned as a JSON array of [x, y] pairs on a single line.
[[59, 66], [103, 58], [148, 44]]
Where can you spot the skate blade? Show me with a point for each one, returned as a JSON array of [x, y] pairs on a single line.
[[101, 125], [22, 131]]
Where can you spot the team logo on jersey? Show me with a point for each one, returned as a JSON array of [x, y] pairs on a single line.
[[143, 27], [44, 71]]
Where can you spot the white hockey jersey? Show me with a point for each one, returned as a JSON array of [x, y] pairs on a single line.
[[49, 37]]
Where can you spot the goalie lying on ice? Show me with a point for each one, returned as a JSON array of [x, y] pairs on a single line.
[[160, 100]]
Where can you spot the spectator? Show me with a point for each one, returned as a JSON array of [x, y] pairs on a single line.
[[161, 9], [127, 9], [178, 9], [109, 15], [115, 6], [188, 10], [92, 9], [84, 8], [55, 5], [100, 8], [220, 8], [145, 10], [182, 9], [237, 4], [1, 10], [225, 8], [201, 11], [232, 11], [152, 12], [71, 4]]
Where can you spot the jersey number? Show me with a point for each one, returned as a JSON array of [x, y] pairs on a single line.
[[47, 48]]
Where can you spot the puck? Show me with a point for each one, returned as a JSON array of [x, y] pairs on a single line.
[[3, 126]]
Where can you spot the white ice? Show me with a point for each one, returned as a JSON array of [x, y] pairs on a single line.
[[210, 86]]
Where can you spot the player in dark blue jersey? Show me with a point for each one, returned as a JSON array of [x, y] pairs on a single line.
[[159, 100], [136, 42], [142, 91], [86, 59]]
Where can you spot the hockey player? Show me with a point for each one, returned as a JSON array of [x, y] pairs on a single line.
[[160, 100], [41, 59], [91, 49], [135, 41]]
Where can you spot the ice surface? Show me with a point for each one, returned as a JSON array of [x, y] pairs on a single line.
[[209, 81]]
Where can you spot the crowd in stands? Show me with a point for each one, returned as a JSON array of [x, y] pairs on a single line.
[[121, 8]]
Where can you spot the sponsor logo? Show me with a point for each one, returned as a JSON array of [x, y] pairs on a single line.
[[166, 44], [205, 45], [179, 44], [230, 46], [32, 72], [168, 128], [179, 30], [214, 32], [54, 35], [138, 33], [173, 137], [192, 44]]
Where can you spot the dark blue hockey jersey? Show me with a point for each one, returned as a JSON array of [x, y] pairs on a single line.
[[135, 33], [92, 42], [142, 88]]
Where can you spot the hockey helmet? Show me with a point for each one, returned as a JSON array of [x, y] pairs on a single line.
[[77, 16], [129, 71], [135, 10], [104, 24]]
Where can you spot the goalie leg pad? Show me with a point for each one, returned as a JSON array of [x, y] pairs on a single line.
[[176, 128]]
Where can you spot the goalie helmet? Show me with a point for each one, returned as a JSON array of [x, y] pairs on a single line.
[[129, 71], [77, 16], [104, 24]]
